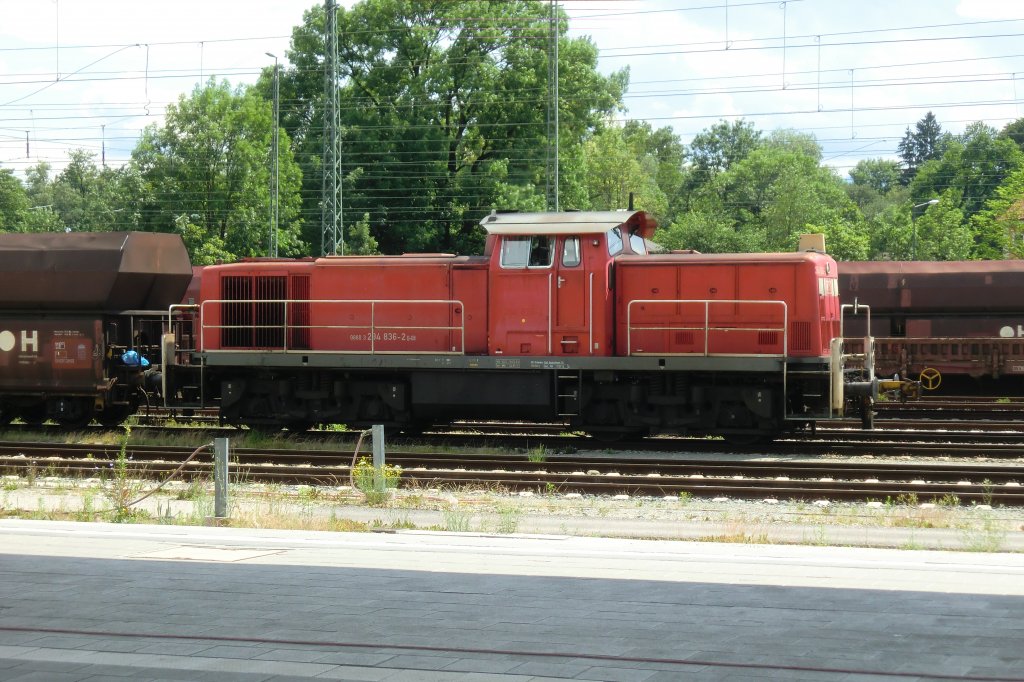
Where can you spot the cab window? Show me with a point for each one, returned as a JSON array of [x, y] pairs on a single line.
[[614, 241], [637, 243], [522, 252], [571, 252]]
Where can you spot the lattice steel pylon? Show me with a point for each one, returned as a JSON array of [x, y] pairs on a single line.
[[551, 154], [332, 216]]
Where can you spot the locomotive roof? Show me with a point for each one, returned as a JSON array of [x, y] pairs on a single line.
[[572, 222]]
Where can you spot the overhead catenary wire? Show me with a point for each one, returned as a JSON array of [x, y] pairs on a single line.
[[493, 132]]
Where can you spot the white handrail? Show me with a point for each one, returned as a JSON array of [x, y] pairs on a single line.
[[373, 329], [706, 328]]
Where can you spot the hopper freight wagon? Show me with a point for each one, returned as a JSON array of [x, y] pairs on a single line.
[[957, 325], [72, 306]]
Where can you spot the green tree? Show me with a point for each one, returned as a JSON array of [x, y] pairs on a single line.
[[941, 233], [706, 228], [13, 202], [999, 227], [780, 191], [38, 185], [1014, 131], [616, 169], [880, 175], [725, 143], [443, 114], [713, 151], [88, 198], [210, 162], [845, 240], [924, 143], [974, 165], [662, 151]]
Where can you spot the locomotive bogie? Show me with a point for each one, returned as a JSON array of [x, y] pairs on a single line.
[[608, 399]]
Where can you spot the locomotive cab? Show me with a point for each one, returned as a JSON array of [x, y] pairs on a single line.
[[552, 276]]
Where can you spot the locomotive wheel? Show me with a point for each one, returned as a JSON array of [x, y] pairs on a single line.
[[263, 428], [744, 440], [614, 435], [34, 415], [867, 415], [930, 378]]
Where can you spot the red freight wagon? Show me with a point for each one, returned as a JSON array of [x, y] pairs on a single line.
[[60, 353], [566, 317], [71, 305], [959, 325]]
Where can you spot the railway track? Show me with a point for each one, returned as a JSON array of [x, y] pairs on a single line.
[[807, 481], [895, 438]]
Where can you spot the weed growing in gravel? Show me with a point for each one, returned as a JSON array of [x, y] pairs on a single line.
[[537, 455], [456, 520], [122, 489], [193, 490], [308, 493], [912, 545], [375, 486], [988, 488], [87, 513], [739, 537], [508, 518], [818, 538], [989, 537], [399, 519]]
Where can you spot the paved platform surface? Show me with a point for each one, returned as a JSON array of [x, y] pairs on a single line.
[[114, 602]]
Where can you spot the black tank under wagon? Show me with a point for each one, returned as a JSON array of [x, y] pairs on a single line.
[[71, 306]]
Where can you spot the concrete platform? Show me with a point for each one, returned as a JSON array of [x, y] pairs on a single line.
[[114, 602]]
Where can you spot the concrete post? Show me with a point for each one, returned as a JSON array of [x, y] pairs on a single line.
[[220, 477], [378, 456]]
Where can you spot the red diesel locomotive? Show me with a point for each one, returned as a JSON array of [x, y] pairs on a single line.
[[566, 317]]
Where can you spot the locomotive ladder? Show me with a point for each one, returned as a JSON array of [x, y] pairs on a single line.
[[568, 386]]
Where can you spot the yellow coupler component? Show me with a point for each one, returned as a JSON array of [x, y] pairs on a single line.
[[908, 390]]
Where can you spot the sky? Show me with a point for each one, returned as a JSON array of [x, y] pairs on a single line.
[[91, 74]]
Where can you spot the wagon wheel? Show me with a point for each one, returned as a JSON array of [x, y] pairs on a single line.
[[79, 421], [930, 378], [115, 415]]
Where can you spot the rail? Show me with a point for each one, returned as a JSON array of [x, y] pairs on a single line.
[[706, 328], [300, 325]]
